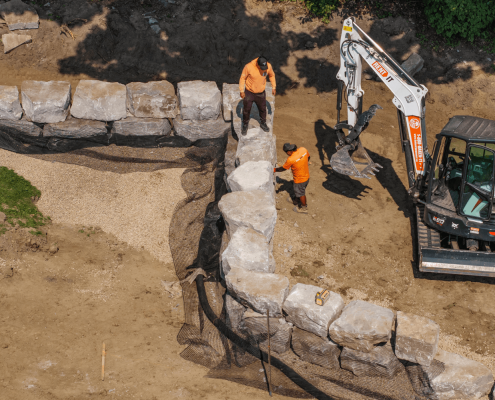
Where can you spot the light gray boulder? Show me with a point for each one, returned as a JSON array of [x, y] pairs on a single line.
[[229, 161], [45, 102], [199, 100], [20, 127], [152, 99], [461, 378], [101, 101], [12, 41], [234, 313], [413, 64], [238, 108], [19, 15], [10, 106], [256, 329], [315, 349], [132, 126], [304, 313], [253, 175], [262, 149], [416, 338], [254, 210], [362, 325], [381, 361], [205, 129], [258, 290], [76, 129], [249, 250], [230, 95]]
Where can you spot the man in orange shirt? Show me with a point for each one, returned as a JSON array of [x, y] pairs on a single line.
[[298, 161], [252, 87]]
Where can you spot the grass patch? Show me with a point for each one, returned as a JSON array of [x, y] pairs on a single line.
[[15, 202]]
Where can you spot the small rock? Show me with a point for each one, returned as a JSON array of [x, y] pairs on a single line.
[[199, 100], [46, 102], [380, 361], [416, 338], [10, 107], [53, 249], [253, 175], [152, 21], [362, 325], [152, 99], [314, 349], [155, 28], [101, 101], [295, 225], [19, 15], [413, 64], [489, 59], [203, 129], [3, 218], [11, 41]]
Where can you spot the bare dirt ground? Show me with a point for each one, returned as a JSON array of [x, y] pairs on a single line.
[[56, 310]]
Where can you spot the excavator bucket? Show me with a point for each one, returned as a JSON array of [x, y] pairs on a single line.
[[458, 262], [355, 162]]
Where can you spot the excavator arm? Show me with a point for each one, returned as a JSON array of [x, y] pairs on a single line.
[[409, 98]]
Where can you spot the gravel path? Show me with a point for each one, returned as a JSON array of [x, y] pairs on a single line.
[[136, 207]]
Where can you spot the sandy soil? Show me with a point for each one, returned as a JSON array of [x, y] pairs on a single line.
[[357, 239]]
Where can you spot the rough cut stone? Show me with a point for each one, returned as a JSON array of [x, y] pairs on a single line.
[[152, 99], [262, 149], [230, 153], [461, 378], [280, 332], [416, 338], [258, 290], [45, 102], [380, 361], [314, 349], [249, 250], [19, 15], [101, 101], [304, 313], [199, 100], [362, 325], [132, 126], [413, 64], [230, 95], [12, 41], [234, 313], [253, 175], [253, 210], [10, 107], [254, 122], [206, 129], [76, 129], [21, 127]]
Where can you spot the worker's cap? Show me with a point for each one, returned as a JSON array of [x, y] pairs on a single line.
[[263, 63], [289, 147]]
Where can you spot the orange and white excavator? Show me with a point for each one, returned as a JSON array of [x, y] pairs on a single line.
[[452, 188]]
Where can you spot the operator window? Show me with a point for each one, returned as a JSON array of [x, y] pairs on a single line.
[[454, 166]]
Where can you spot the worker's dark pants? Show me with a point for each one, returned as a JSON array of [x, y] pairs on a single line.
[[249, 99]]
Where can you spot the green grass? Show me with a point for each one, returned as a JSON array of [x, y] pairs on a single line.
[[15, 202]]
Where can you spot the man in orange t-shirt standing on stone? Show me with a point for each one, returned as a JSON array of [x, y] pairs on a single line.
[[298, 161], [252, 87]]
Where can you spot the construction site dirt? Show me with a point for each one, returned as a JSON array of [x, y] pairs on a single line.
[[357, 240]]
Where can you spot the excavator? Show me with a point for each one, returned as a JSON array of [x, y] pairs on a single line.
[[452, 188]]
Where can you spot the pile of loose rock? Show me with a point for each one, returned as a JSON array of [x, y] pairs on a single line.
[[363, 338], [137, 114]]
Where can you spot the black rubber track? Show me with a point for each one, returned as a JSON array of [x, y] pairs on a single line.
[[244, 344]]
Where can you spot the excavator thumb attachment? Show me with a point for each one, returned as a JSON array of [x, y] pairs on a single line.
[[355, 162]]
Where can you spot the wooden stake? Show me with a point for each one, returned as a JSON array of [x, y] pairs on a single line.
[[269, 355], [103, 352]]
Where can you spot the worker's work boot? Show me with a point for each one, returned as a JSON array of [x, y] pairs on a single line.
[[301, 209], [293, 200], [244, 129], [264, 126]]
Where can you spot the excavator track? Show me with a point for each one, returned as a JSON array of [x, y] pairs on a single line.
[[427, 237]]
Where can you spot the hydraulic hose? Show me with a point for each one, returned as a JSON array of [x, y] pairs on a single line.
[[258, 353]]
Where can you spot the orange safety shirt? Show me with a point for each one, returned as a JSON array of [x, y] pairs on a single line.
[[298, 161], [254, 78]]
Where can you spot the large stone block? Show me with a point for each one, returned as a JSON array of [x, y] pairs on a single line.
[[381, 361], [262, 149], [76, 129], [362, 325], [230, 157], [416, 338], [10, 107], [304, 313], [101, 101], [256, 329], [20, 127], [230, 95], [314, 349], [199, 100], [19, 15], [253, 175], [413, 64], [460, 377], [45, 102], [234, 313], [254, 122], [206, 129], [253, 210], [12, 41], [249, 250], [140, 131], [152, 99], [258, 290]]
